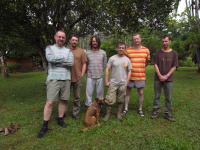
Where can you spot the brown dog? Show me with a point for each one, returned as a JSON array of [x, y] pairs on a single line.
[[92, 114]]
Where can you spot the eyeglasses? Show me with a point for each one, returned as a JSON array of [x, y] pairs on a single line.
[[61, 37]]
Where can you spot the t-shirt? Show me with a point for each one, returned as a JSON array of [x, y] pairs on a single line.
[[96, 63], [60, 59], [138, 58], [119, 67], [165, 61], [79, 59]]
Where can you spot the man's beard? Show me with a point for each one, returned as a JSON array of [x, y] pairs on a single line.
[[60, 43]]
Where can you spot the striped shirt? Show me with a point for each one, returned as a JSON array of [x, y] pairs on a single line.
[[60, 59], [96, 63], [138, 58]]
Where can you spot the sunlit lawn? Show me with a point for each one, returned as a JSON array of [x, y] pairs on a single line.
[[23, 95]]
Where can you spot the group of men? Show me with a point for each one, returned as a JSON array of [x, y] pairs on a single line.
[[67, 67]]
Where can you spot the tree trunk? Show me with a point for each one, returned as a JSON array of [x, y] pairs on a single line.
[[4, 70], [198, 57], [197, 15], [44, 63]]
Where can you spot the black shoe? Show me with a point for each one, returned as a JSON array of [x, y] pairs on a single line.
[[42, 132], [62, 123], [64, 115]]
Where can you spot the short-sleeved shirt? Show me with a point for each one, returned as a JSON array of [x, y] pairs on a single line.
[[79, 59], [165, 61], [119, 67], [138, 58], [96, 63]]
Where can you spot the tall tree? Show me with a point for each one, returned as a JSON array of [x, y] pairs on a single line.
[[37, 21]]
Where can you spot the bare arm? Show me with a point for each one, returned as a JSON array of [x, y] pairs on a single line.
[[128, 76], [106, 76], [83, 69]]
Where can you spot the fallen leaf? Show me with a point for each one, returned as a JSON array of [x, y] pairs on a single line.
[[175, 110], [34, 110], [63, 129], [115, 131], [146, 134], [165, 124]]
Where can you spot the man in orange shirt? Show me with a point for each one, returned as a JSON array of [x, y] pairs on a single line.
[[139, 57]]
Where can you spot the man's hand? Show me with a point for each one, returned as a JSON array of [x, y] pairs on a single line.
[[107, 84], [163, 78]]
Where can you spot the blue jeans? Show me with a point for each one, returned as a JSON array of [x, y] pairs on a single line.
[[167, 87], [91, 84]]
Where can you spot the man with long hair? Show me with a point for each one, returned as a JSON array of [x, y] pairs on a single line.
[[96, 63]]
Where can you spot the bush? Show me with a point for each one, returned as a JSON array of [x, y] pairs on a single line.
[[12, 67], [186, 63]]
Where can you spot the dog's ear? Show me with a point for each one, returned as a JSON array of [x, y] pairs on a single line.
[[97, 99]]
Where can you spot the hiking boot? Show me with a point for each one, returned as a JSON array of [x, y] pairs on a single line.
[[62, 123], [119, 110], [169, 117], [154, 114], [42, 132], [107, 116]]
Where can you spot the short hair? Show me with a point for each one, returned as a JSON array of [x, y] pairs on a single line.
[[74, 35], [121, 43], [98, 41], [135, 34], [60, 31], [166, 36]]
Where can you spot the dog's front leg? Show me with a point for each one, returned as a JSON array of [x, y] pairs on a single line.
[[97, 117]]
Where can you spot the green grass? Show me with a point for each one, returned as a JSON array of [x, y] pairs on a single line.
[[23, 96]]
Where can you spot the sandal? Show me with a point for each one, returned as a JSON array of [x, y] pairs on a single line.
[[124, 112], [141, 113]]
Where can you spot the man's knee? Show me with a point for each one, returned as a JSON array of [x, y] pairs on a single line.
[[128, 91], [140, 92], [49, 104]]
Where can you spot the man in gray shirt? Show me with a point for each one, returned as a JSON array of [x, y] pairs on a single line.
[[120, 76]]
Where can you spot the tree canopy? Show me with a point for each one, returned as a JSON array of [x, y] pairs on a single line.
[[36, 21]]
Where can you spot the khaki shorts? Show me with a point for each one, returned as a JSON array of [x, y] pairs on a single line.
[[114, 92], [136, 84], [58, 89]]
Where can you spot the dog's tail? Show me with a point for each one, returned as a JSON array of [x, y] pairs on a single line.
[[85, 129]]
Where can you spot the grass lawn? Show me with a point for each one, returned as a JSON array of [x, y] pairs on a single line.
[[22, 99]]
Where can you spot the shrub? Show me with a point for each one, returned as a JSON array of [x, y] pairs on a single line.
[[186, 63], [13, 67]]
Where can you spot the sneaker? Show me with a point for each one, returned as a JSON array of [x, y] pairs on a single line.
[[62, 123], [42, 132], [155, 114], [77, 118], [169, 117]]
